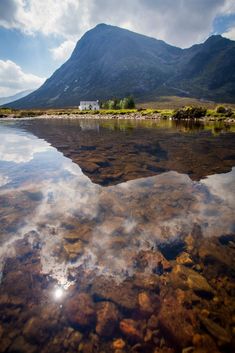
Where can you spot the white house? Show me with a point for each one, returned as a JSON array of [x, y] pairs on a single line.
[[89, 105]]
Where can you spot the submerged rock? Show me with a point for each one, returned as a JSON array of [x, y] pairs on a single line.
[[176, 323], [184, 259], [107, 318], [74, 339], [89, 167], [5, 343], [83, 233], [11, 300], [68, 338], [153, 260], [37, 330], [74, 250], [164, 350], [204, 343], [211, 252], [122, 294], [21, 346], [132, 329], [216, 330], [80, 310], [183, 277], [145, 303], [147, 281], [119, 343]]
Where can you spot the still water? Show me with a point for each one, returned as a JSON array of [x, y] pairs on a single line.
[[116, 236]]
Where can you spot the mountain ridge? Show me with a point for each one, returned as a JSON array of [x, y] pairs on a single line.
[[21, 94], [109, 61]]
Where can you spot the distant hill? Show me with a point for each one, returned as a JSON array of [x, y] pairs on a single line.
[[109, 61], [5, 100]]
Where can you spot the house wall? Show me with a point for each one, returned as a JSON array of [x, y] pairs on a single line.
[[89, 106]]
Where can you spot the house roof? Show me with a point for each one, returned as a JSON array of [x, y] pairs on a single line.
[[89, 102]]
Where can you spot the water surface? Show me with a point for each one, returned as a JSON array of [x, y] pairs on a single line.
[[116, 236]]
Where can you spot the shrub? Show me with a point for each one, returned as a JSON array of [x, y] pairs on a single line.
[[189, 113], [225, 111], [229, 112], [221, 109], [30, 113]]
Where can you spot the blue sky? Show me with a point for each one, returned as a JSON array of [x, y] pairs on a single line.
[[36, 37]]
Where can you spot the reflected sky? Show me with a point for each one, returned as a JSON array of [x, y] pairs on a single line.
[[75, 223]]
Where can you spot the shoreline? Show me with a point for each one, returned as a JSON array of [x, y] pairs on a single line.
[[127, 116]]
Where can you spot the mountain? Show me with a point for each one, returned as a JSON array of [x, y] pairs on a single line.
[[5, 100], [110, 61], [208, 70]]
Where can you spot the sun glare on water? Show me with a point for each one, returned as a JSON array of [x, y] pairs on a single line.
[[58, 294]]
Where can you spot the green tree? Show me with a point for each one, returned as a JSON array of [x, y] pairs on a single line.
[[127, 103]]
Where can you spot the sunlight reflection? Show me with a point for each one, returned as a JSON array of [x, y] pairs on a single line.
[[58, 294]]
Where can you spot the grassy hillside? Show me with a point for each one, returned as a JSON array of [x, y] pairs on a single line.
[[174, 102]]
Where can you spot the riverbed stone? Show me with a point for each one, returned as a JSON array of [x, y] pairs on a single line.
[[204, 343], [132, 329], [74, 250], [153, 260], [83, 232], [147, 281], [183, 277], [5, 343], [176, 322], [221, 334], [22, 346], [107, 318], [123, 294], [87, 166], [146, 304], [80, 310], [184, 259], [210, 252], [37, 330], [164, 350], [119, 343]]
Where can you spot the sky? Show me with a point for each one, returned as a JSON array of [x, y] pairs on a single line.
[[37, 36]]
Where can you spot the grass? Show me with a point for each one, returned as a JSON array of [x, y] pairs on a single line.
[[174, 102]]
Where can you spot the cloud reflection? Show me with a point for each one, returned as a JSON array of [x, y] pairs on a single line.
[[19, 147], [4, 180]]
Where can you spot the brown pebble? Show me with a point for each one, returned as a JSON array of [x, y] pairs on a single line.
[[80, 310], [205, 313], [148, 336], [145, 302], [197, 340], [131, 329], [119, 343], [153, 322]]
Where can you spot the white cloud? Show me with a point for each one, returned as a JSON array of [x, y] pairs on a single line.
[[10, 12], [13, 79], [230, 33], [229, 7], [63, 52], [180, 22]]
